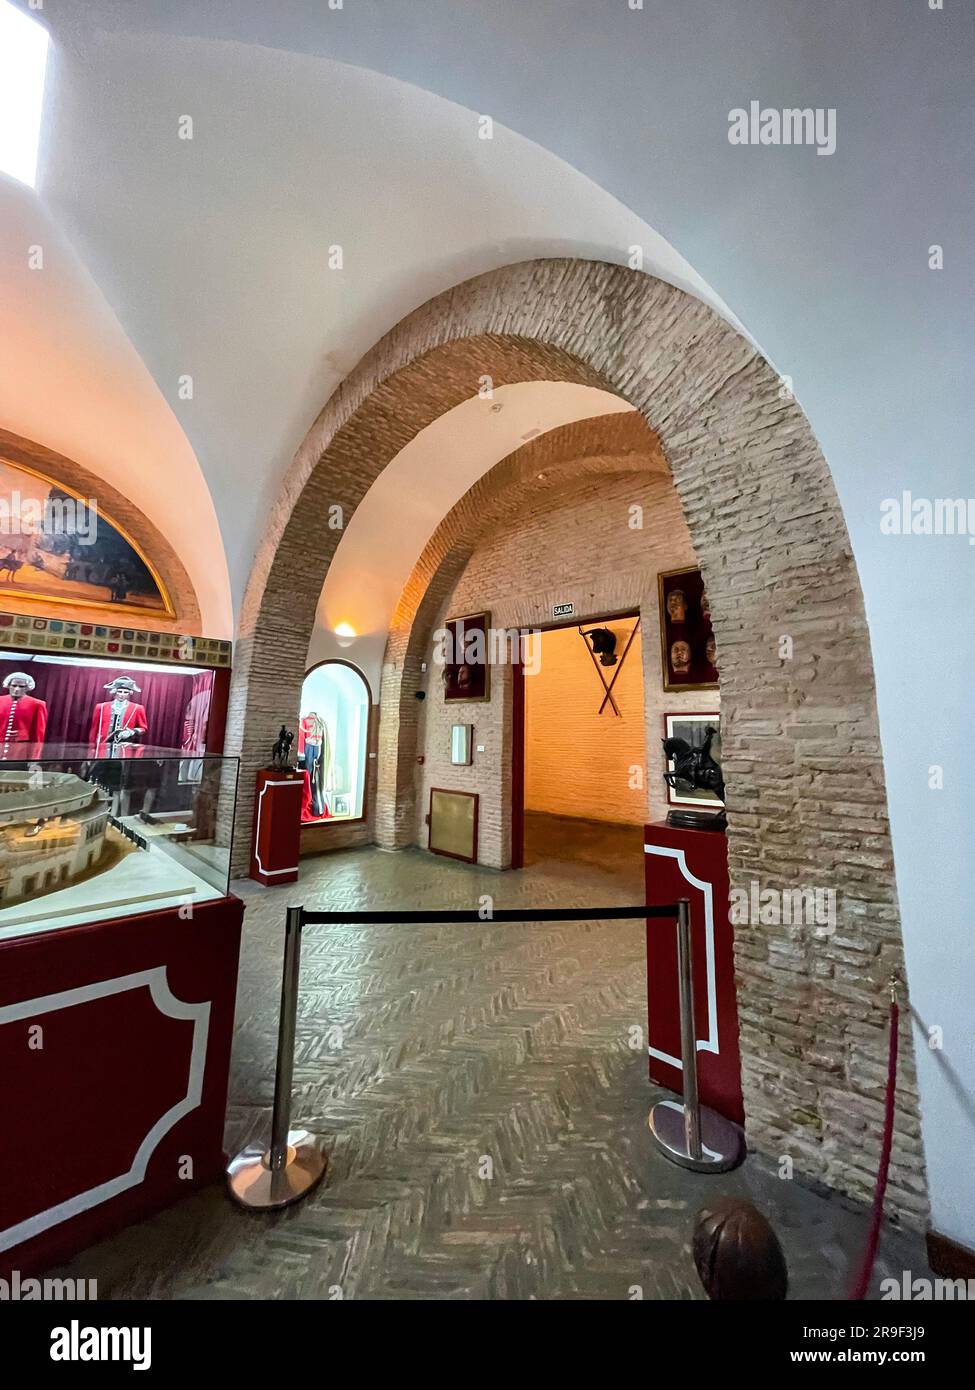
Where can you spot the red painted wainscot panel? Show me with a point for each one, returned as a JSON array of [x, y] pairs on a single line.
[[276, 843], [125, 1081], [693, 864]]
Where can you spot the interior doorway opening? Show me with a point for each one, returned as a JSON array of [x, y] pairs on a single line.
[[580, 789]]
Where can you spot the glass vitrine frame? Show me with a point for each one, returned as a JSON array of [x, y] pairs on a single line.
[[84, 839]]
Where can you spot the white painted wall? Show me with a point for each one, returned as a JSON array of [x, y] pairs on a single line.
[[212, 255], [71, 380]]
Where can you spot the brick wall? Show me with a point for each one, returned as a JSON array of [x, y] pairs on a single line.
[[574, 545]]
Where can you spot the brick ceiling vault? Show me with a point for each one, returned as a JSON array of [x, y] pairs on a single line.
[[802, 756]]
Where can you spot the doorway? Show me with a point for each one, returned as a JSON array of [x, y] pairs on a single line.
[[579, 765]]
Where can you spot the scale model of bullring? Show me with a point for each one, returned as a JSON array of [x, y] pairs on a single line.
[[53, 831]]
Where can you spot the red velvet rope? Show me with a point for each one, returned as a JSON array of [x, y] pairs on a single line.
[[858, 1288]]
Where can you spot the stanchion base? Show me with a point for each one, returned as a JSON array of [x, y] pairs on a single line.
[[722, 1145], [254, 1185]]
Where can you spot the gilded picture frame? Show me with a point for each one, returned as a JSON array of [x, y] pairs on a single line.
[[56, 568], [467, 682], [688, 655]]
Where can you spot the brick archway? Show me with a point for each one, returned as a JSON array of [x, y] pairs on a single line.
[[605, 444], [801, 738]]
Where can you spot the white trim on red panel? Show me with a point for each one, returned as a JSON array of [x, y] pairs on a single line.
[[167, 1004], [710, 1043]]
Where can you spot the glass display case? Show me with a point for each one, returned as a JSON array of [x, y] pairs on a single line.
[[126, 831], [332, 736], [56, 700]]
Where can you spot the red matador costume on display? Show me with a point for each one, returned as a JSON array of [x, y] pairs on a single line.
[[118, 724], [23, 719]]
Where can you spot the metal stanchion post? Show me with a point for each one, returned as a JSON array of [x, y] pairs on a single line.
[[287, 1024], [685, 1133], [275, 1177], [688, 1042]]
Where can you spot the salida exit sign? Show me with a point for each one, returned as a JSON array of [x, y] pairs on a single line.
[[563, 610]]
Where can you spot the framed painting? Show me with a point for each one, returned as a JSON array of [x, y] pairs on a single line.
[[453, 824], [693, 728], [688, 652], [465, 656], [59, 547]]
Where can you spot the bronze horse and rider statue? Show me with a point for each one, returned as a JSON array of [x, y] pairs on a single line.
[[697, 768]]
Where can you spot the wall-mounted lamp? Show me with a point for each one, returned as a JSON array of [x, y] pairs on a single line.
[[345, 634]]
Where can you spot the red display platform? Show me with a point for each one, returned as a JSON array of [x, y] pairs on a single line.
[[277, 826], [115, 1045], [307, 815], [693, 864]]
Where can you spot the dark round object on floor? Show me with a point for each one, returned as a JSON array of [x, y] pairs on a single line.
[[737, 1254]]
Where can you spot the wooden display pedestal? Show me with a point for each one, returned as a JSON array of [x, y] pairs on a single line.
[[115, 1044], [277, 826], [693, 864]]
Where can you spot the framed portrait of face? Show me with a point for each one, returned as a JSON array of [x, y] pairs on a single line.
[[466, 661], [693, 729], [688, 652]]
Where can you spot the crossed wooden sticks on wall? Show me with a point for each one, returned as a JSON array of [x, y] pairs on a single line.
[[619, 666]]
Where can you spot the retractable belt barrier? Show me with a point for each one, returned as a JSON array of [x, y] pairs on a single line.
[[687, 1134]]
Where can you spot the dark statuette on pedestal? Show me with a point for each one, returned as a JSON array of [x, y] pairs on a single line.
[[281, 752], [697, 767]]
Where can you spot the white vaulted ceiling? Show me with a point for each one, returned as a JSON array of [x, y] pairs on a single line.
[[70, 379], [214, 251]]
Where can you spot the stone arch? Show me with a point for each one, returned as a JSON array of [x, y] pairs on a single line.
[[600, 445], [801, 738]]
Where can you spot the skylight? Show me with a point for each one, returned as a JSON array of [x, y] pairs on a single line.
[[23, 59]]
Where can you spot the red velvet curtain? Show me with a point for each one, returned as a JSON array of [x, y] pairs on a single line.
[[193, 737], [72, 692]]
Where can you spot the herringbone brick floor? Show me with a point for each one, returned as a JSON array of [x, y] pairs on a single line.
[[483, 1107]]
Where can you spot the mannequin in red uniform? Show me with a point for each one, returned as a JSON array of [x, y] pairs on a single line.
[[117, 724], [23, 719], [313, 743]]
